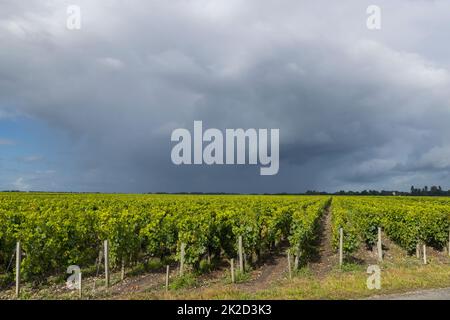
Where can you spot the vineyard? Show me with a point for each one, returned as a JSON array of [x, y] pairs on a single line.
[[59, 230], [407, 221]]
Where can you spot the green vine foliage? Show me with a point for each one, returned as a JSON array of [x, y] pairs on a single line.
[[57, 230], [405, 220]]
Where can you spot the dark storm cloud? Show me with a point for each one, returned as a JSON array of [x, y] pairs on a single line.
[[355, 108]]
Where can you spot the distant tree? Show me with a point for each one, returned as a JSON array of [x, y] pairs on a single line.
[[433, 191]]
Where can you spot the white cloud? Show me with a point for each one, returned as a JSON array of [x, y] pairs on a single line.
[[21, 184], [112, 63], [6, 142], [399, 67], [436, 157], [32, 158]]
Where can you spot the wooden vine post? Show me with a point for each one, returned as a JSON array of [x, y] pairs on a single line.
[[297, 259], [241, 256], [106, 258], [80, 286], [380, 246], [424, 253], [18, 262], [341, 246], [182, 252], [167, 277]]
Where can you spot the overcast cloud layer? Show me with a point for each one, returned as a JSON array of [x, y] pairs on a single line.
[[356, 108]]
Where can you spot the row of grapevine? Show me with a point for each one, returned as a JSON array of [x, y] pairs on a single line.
[[304, 228]]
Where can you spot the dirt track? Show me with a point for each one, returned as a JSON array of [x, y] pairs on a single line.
[[325, 258]]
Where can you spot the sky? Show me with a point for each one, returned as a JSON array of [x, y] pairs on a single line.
[[93, 109]]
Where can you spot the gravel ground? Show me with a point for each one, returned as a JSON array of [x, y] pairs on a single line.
[[433, 294]]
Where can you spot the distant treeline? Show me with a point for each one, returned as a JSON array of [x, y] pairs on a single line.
[[425, 191]]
